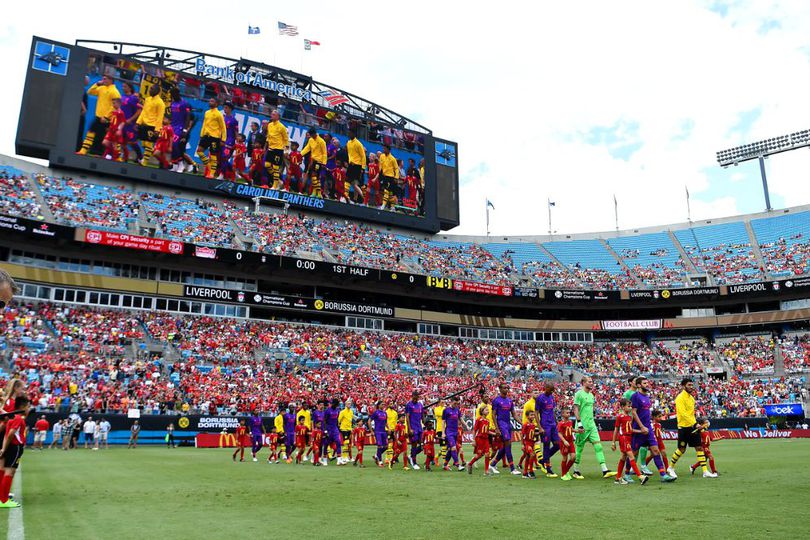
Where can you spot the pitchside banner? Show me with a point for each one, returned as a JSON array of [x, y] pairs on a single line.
[[699, 293], [721, 434], [784, 409]]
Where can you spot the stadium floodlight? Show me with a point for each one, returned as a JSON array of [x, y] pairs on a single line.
[[761, 150]]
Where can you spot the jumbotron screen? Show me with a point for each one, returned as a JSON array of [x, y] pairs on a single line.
[[214, 127]]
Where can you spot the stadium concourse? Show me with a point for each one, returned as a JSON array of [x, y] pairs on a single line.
[[725, 251]]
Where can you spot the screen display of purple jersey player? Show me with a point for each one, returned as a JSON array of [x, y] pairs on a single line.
[[379, 419], [504, 411], [332, 431], [451, 416]]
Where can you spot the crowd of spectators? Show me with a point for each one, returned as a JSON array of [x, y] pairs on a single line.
[[796, 352], [728, 263], [196, 221], [785, 258], [279, 234], [16, 196], [749, 354], [82, 204], [550, 274], [598, 278]]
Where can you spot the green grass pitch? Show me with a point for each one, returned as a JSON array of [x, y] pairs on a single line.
[[152, 493]]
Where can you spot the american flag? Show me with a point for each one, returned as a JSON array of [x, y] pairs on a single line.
[[333, 98], [287, 29]]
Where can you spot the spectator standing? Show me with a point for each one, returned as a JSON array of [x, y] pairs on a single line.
[[89, 431], [41, 428], [104, 432], [57, 434], [134, 431], [170, 435]]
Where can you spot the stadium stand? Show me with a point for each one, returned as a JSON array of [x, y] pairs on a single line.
[[89, 205], [783, 241], [722, 250]]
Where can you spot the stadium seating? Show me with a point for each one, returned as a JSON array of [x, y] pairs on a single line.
[[591, 263], [16, 195], [723, 250], [529, 260], [196, 221], [785, 243], [652, 257], [83, 204]]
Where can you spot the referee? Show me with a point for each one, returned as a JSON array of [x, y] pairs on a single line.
[[688, 429]]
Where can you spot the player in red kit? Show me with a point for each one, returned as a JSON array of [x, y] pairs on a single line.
[[339, 182], [359, 434], [241, 434], [114, 138], [400, 442], [623, 431], [481, 433], [272, 439], [658, 417], [372, 193], [239, 161], [706, 440], [566, 430], [12, 450], [294, 169], [429, 445], [316, 440], [163, 146], [257, 170], [301, 431], [528, 436]]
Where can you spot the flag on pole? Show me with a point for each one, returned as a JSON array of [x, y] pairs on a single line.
[[490, 205], [308, 43], [333, 98], [253, 30], [551, 203], [287, 29]]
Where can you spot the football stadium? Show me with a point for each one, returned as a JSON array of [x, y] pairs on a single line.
[[233, 304]]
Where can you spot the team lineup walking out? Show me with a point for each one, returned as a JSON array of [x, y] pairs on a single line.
[[333, 430]]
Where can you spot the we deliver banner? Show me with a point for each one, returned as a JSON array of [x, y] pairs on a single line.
[[718, 434]]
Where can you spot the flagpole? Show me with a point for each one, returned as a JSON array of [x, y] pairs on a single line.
[[688, 207], [548, 203], [616, 211], [486, 204]]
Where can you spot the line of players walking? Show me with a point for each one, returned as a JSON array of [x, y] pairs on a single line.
[[330, 431]]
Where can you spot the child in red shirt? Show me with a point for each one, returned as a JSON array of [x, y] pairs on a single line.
[[115, 133], [315, 445], [239, 163], [301, 431], [272, 438], [566, 430], [163, 146], [12, 450], [295, 160], [429, 445], [400, 445], [706, 441], [241, 433], [481, 434], [658, 417], [359, 440], [623, 431], [528, 435]]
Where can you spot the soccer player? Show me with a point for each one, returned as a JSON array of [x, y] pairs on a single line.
[[256, 432], [587, 431], [332, 431], [182, 121], [400, 445], [239, 160], [642, 420], [481, 434], [231, 129], [545, 405], [345, 422], [150, 121], [278, 140], [131, 105], [391, 425], [357, 164], [105, 91], [212, 134], [317, 443], [272, 441], [623, 432], [429, 445], [12, 450], [504, 411], [706, 440], [294, 169], [241, 434], [317, 147], [114, 138], [438, 411], [318, 418], [389, 171], [566, 430], [658, 417], [628, 395], [359, 440], [278, 424], [372, 193], [414, 412], [450, 417], [289, 431], [163, 146], [301, 432], [528, 434], [380, 420], [688, 429]]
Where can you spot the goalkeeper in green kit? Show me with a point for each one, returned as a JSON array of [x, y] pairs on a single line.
[[586, 431]]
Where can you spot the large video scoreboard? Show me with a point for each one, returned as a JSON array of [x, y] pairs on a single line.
[[67, 96]]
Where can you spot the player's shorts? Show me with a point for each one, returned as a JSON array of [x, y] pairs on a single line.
[[98, 127], [416, 438], [590, 435], [333, 436], [345, 435], [147, 133], [114, 137], [550, 434], [289, 439], [625, 443], [178, 148], [565, 450], [274, 157], [39, 436], [506, 433], [482, 445], [163, 147], [354, 173], [88, 437], [316, 169], [689, 437], [212, 144], [11, 459], [382, 438], [388, 182], [528, 448], [452, 440], [642, 439]]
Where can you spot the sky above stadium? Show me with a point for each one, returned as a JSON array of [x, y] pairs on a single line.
[[572, 102]]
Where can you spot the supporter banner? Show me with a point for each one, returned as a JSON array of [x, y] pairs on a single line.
[[481, 288], [674, 294], [574, 295], [526, 292], [769, 287], [651, 324], [131, 241], [32, 227], [228, 440], [784, 409]]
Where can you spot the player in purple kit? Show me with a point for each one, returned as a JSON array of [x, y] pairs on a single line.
[[642, 419], [131, 107], [451, 416], [380, 419], [332, 432], [545, 405], [504, 410], [289, 431], [318, 417], [231, 129], [414, 413], [182, 121], [256, 432]]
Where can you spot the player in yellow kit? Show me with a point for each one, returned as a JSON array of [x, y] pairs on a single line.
[[105, 91], [438, 410], [389, 174], [150, 122], [390, 427], [316, 147], [278, 424], [688, 429], [278, 140], [212, 135], [345, 421], [357, 164]]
